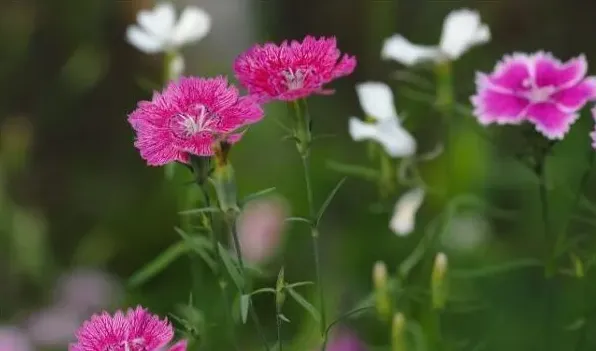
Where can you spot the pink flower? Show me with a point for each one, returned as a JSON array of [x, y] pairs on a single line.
[[137, 330], [53, 326], [537, 88], [13, 339], [260, 228], [345, 341], [86, 290], [188, 116], [593, 134], [294, 70]]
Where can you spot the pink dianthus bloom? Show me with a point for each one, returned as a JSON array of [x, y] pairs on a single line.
[[537, 88], [188, 116], [294, 70], [593, 134], [137, 330]]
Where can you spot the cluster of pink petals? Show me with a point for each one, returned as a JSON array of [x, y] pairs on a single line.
[[188, 117], [535, 88], [135, 330], [294, 70]]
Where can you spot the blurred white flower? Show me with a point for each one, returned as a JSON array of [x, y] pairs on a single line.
[[462, 30], [13, 339], [403, 220], [158, 31], [376, 100], [53, 327], [466, 233], [260, 228]]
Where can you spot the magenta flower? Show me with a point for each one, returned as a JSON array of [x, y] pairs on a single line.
[[536, 88], [137, 330], [294, 70], [188, 116]]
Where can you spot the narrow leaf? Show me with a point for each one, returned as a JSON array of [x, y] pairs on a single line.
[[304, 303], [233, 271], [495, 269], [244, 306], [283, 318], [329, 199], [258, 194], [200, 245], [199, 210], [263, 291], [363, 172], [298, 219], [295, 285], [158, 264]]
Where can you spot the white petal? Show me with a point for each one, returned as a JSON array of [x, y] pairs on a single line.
[[176, 68], [159, 21], [376, 100], [193, 25], [396, 141], [142, 40], [462, 30], [403, 51], [403, 220]]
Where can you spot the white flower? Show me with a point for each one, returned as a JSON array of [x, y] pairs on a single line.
[[376, 100], [403, 220], [158, 31], [462, 30]]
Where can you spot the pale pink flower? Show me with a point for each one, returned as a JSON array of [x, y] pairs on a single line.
[[13, 339], [137, 330], [536, 88], [86, 290], [260, 228], [187, 118], [293, 70], [53, 326], [345, 341]]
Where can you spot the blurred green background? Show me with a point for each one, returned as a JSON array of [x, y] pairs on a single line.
[[75, 192]]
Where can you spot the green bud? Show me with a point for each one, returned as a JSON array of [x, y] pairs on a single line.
[[439, 286], [398, 333], [382, 296]]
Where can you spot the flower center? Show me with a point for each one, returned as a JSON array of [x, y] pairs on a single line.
[[132, 345], [187, 125], [536, 94], [294, 79]]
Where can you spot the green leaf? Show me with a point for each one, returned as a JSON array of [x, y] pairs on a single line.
[[295, 285], [199, 210], [244, 306], [283, 318], [366, 173], [256, 195], [158, 264], [263, 291], [233, 271], [298, 219], [304, 303], [495, 269], [200, 245], [328, 200]]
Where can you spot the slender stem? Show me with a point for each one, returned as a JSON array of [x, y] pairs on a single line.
[[208, 219], [231, 223], [315, 242], [279, 341], [549, 263]]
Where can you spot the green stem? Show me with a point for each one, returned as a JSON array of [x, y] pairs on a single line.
[[279, 341], [549, 263], [231, 223], [445, 104], [315, 242], [208, 222]]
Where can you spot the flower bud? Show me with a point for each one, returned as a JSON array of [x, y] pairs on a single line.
[[225, 182], [439, 281], [382, 297], [398, 333]]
